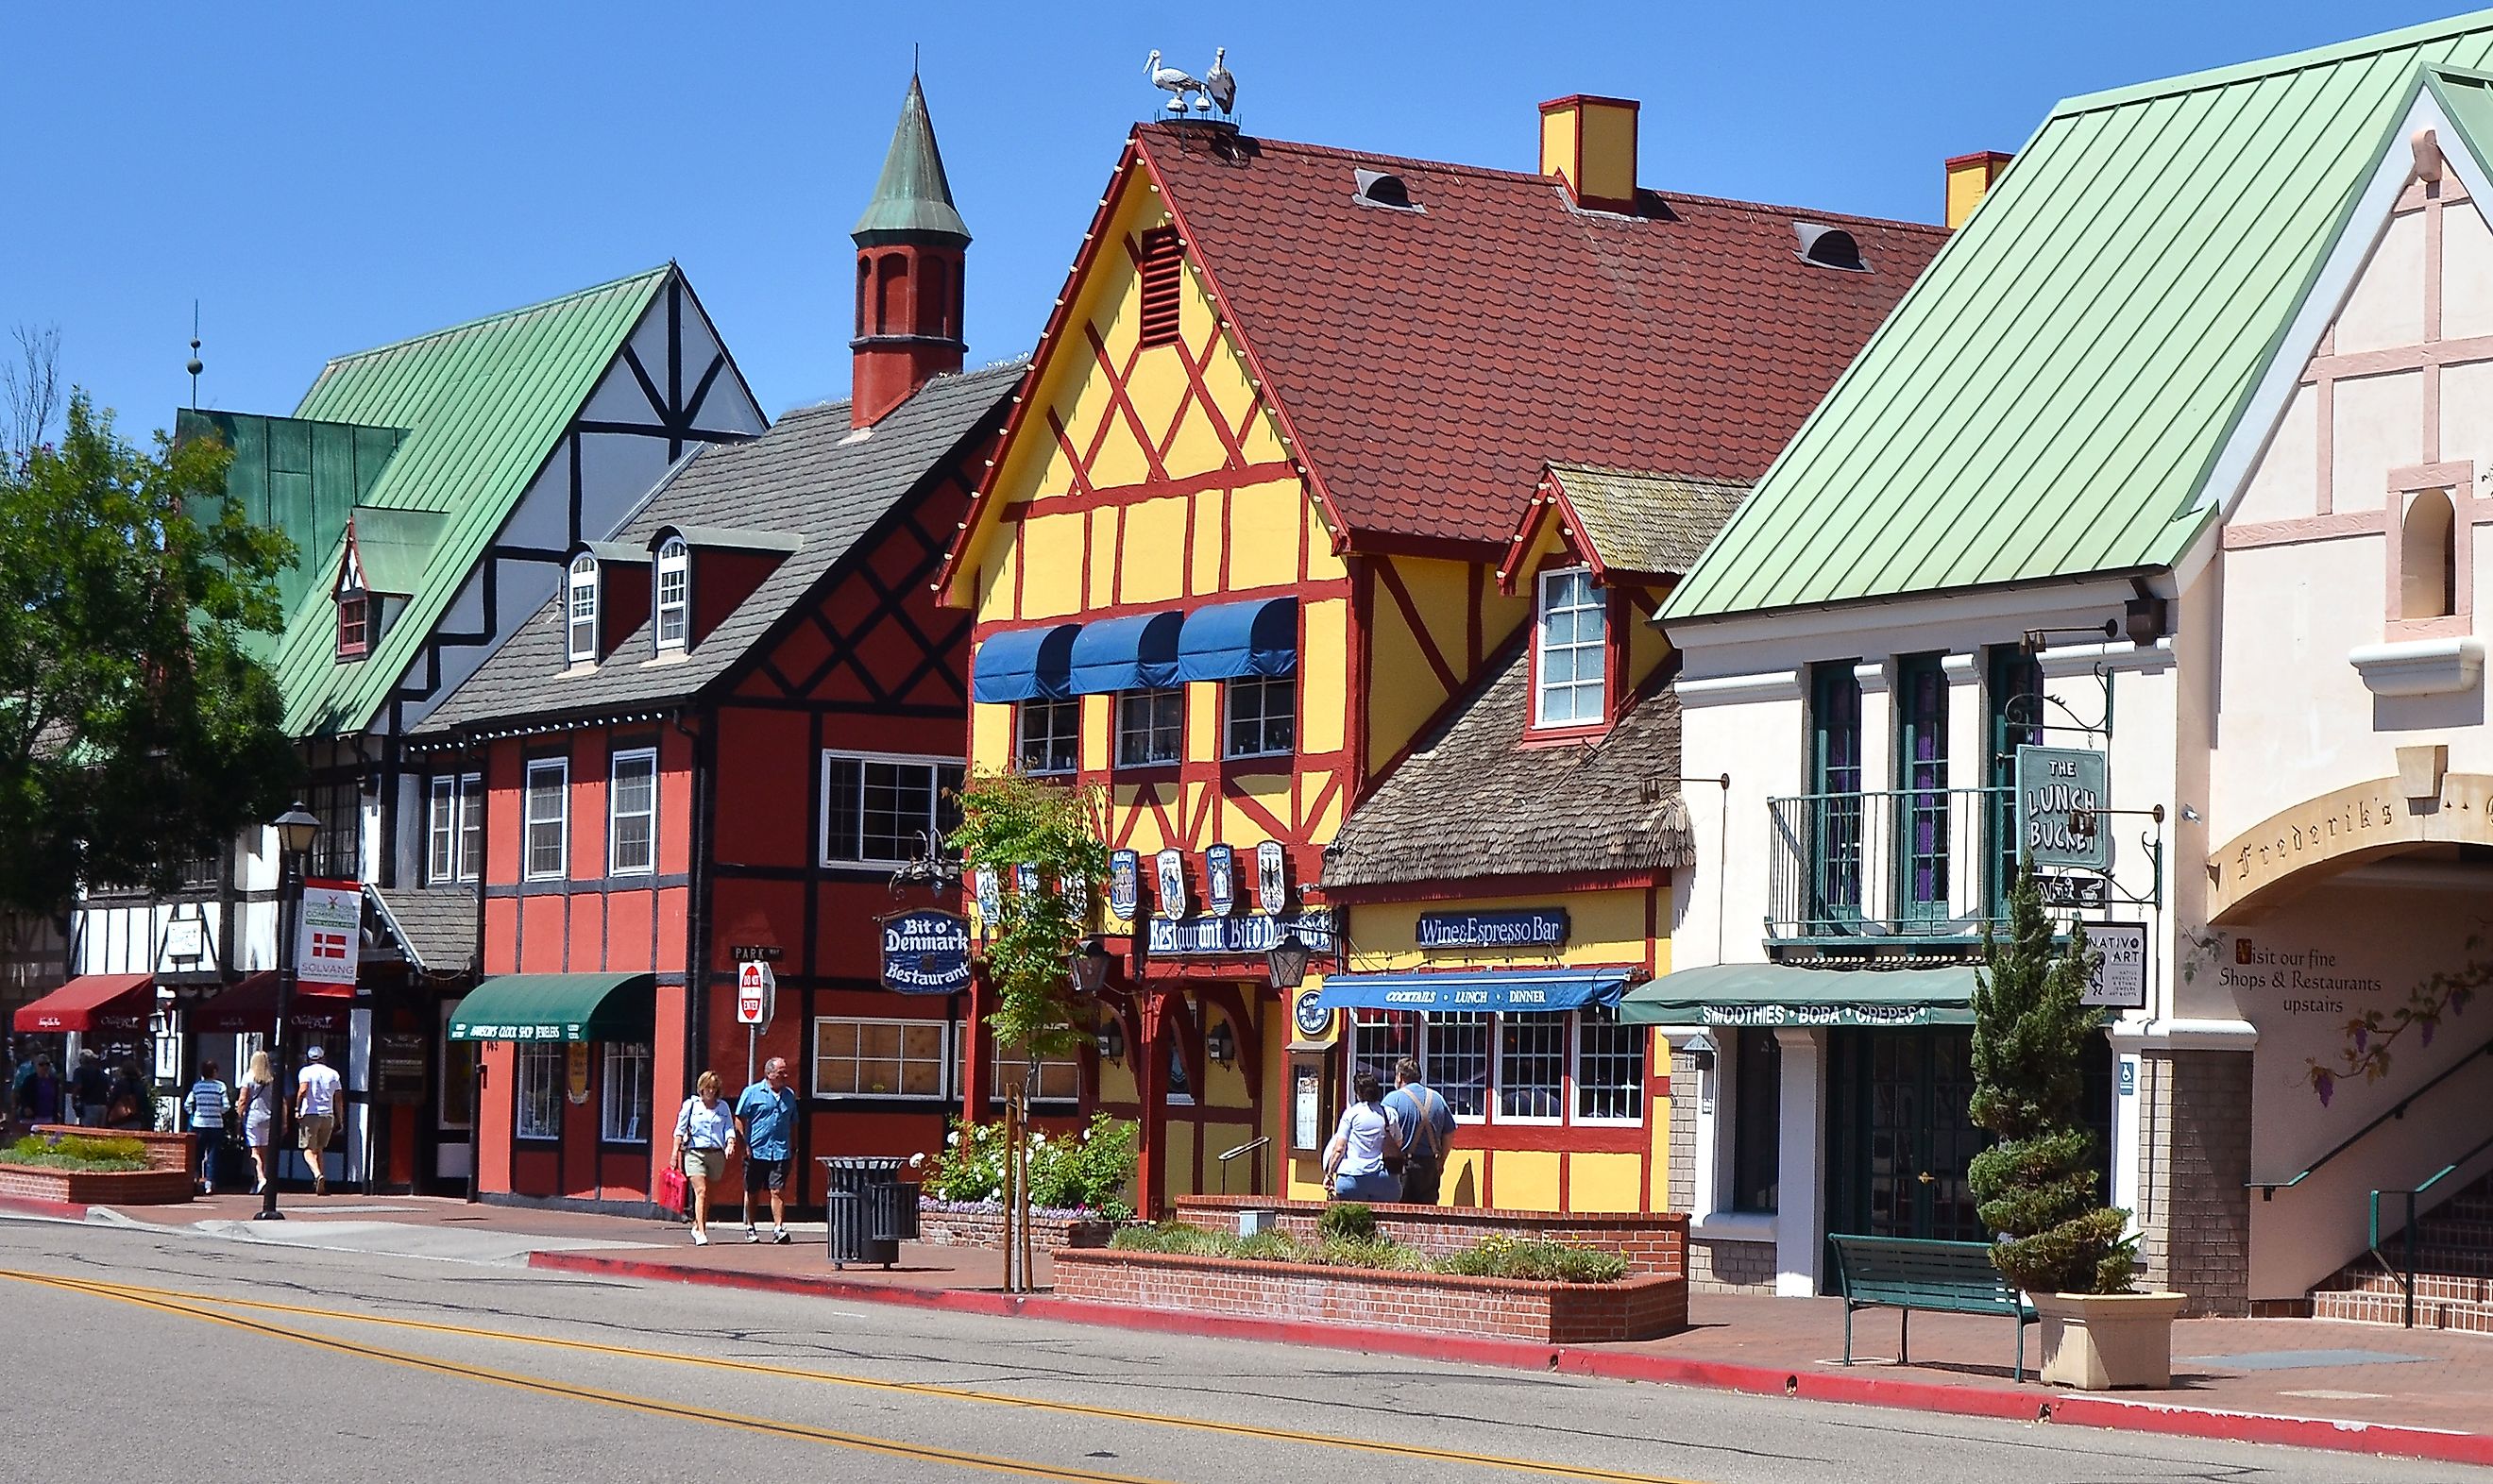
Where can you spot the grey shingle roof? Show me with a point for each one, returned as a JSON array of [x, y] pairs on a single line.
[[1474, 804], [437, 925], [1654, 525], [806, 479]]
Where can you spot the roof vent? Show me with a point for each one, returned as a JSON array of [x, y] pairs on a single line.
[[1829, 246], [1378, 187]]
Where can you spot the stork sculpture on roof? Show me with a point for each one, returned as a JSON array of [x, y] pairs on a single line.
[[1178, 81], [1221, 84]]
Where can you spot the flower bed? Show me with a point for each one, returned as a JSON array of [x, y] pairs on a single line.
[[98, 1167], [981, 1223], [1651, 1242]]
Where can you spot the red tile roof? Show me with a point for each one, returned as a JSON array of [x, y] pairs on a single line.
[[1430, 362]]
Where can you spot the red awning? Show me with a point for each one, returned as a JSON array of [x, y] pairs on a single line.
[[93, 1003], [250, 1006]]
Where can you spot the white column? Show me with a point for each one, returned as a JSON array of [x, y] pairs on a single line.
[[2126, 1073], [1800, 1175], [1969, 758], [1879, 888]]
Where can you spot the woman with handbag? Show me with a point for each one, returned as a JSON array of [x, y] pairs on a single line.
[[1369, 1136], [259, 1115], [705, 1137]]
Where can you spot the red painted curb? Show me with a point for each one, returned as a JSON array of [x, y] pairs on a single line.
[[31, 1206], [1815, 1385]]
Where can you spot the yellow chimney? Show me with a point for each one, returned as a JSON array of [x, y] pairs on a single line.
[[1968, 181], [1590, 143]]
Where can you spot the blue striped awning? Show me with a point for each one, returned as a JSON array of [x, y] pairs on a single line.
[[1477, 990], [1259, 637], [1024, 664], [1134, 653]]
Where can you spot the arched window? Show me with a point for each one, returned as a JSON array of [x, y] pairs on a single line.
[[674, 594], [933, 299], [2428, 558], [892, 290], [865, 280], [579, 608]]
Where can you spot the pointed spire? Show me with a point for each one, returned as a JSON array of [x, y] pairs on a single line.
[[912, 198]]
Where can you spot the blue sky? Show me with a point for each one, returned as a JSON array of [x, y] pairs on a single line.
[[327, 178]]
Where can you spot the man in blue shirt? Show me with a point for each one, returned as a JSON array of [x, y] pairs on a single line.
[[766, 1115], [1427, 1132]]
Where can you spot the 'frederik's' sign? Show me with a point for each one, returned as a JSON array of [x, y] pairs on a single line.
[[1540, 927]]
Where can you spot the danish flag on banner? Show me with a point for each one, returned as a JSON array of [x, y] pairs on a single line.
[[329, 945]]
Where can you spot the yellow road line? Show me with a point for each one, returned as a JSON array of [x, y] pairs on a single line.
[[654, 1406], [1248, 1431]]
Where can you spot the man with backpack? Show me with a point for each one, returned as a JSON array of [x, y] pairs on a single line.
[[1428, 1125]]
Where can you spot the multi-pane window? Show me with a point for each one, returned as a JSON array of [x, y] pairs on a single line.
[[1835, 822], [336, 851], [579, 608], [455, 828], [1610, 1068], [673, 625], [1757, 1120], [1531, 1066], [881, 810], [354, 626], [541, 1076], [1060, 1078], [2016, 695], [1570, 662], [1263, 716], [1380, 1038], [870, 1058], [1922, 773], [1151, 727], [1457, 1063], [632, 813], [548, 818], [1047, 735], [623, 1116]]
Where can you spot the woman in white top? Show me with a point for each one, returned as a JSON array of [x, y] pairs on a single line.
[[705, 1137], [259, 1094], [1369, 1134]]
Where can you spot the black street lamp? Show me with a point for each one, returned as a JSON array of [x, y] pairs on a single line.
[[1287, 961], [1090, 966], [296, 829]]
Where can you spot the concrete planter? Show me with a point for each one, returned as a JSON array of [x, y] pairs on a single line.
[[2108, 1342]]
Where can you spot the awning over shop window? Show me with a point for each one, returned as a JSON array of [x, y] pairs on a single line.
[[250, 1007], [558, 1007], [92, 1002], [1024, 664], [1467, 991], [1134, 653], [1789, 994], [1229, 640]]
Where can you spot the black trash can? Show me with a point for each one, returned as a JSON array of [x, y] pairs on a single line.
[[870, 1208]]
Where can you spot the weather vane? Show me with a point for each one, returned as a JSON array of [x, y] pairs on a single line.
[[1215, 90], [194, 367]]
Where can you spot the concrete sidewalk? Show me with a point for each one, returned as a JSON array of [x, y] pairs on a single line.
[[2312, 1382]]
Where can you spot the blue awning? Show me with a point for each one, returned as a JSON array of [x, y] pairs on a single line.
[[1022, 663], [1134, 653], [1475, 990], [1228, 640]]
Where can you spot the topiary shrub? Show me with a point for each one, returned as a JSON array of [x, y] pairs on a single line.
[[1348, 1221], [2037, 1186]]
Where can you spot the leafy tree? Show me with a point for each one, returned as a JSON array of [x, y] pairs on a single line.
[[1007, 822], [2037, 1186], [136, 728]]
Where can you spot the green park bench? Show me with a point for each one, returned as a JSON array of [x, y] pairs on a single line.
[[1909, 1273]]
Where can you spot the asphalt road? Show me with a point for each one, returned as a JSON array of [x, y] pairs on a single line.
[[135, 1354]]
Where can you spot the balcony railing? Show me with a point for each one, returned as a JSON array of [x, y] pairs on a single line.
[[1905, 863]]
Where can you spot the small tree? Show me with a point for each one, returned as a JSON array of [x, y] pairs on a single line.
[[2037, 1186], [1008, 821]]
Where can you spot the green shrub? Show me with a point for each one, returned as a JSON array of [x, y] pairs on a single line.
[[1174, 1237], [1376, 1252], [1537, 1258], [1495, 1257], [1091, 1170], [82, 1153], [1271, 1245], [1348, 1221]]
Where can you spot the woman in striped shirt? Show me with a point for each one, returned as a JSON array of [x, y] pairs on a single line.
[[208, 1103]]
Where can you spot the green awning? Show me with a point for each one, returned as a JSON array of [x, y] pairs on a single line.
[[558, 1007], [1789, 994]]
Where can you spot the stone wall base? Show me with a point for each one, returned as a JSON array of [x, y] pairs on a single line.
[[2194, 1210], [987, 1229]]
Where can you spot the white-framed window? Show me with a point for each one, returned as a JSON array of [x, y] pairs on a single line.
[[454, 828], [1570, 664], [877, 1058], [1060, 1078], [1047, 734], [1457, 1063], [1380, 1038], [1263, 716], [673, 602], [1151, 727], [580, 609], [881, 809], [1610, 1068], [542, 1071], [1531, 1068], [548, 818], [632, 813], [354, 625], [623, 1103]]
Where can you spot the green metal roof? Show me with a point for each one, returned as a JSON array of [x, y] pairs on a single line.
[[912, 196], [558, 1007], [2048, 398], [482, 404], [1794, 995], [395, 547], [302, 477]]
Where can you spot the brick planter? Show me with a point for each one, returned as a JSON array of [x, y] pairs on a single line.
[[1652, 1241], [165, 1181], [1638, 1307], [985, 1228], [164, 1152]]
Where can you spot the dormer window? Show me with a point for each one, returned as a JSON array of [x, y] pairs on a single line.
[[1829, 246], [354, 625], [674, 594], [1570, 651], [580, 609]]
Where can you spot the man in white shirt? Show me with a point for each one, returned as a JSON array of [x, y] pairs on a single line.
[[316, 1115]]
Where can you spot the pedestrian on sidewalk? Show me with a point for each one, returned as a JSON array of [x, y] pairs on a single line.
[[134, 1097], [705, 1137], [1369, 1134], [37, 1094], [207, 1104], [766, 1114], [90, 1088], [316, 1115], [259, 1121], [1427, 1132]]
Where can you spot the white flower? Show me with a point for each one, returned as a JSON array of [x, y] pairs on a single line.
[[952, 1140]]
